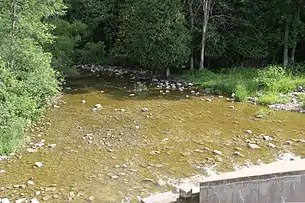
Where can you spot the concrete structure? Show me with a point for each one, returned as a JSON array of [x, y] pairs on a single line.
[[282, 181]]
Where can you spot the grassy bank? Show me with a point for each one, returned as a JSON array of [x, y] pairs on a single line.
[[269, 84]]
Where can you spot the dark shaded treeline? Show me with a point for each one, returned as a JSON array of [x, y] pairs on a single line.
[[190, 34]]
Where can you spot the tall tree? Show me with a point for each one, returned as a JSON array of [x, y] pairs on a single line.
[[154, 34]]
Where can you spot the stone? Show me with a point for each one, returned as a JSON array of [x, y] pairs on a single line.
[[47, 197], [34, 200], [253, 146], [21, 200], [131, 95], [145, 110], [30, 182], [167, 197], [237, 154], [185, 191], [209, 100], [231, 107], [31, 150], [271, 145], [217, 152], [98, 106], [2, 171], [5, 200], [83, 101], [265, 137], [52, 145], [37, 164], [161, 183], [248, 131]]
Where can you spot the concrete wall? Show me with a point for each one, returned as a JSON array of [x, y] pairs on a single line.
[[271, 183]]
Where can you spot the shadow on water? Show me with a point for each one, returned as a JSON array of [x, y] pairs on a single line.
[[120, 88]]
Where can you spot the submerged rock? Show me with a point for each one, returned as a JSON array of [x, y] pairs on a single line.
[[253, 146]]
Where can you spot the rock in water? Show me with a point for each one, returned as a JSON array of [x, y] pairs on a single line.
[[253, 146]]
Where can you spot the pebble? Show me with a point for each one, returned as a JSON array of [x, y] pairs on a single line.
[[20, 200], [2, 171], [52, 145], [31, 150], [137, 127], [30, 182], [271, 145], [37, 164], [98, 106], [47, 197], [161, 183], [145, 109], [217, 152], [208, 99], [267, 138], [83, 101], [114, 176], [253, 146], [231, 107], [5, 200], [34, 200], [131, 95], [238, 154], [248, 131]]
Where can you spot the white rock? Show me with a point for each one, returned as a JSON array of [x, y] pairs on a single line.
[[52, 145], [267, 138], [20, 200], [271, 145], [161, 183], [131, 95], [5, 200], [34, 200], [2, 171], [37, 164], [145, 109], [137, 127], [30, 182], [253, 146], [248, 131], [208, 99], [167, 197], [217, 152], [185, 191], [98, 106], [83, 101]]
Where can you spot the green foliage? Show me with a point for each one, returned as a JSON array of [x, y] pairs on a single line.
[[241, 92], [26, 78], [266, 84], [154, 34], [92, 53]]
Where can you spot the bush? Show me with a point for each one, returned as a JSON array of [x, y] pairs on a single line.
[[92, 53]]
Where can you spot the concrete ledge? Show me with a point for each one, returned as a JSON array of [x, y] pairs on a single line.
[[275, 182]]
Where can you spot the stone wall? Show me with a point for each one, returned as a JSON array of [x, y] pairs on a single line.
[[277, 182]]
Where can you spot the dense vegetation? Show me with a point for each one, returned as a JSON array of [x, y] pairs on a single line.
[[247, 47]]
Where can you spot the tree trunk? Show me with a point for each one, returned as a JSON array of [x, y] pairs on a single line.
[[14, 8], [295, 34], [191, 21], [167, 73], [206, 12], [286, 41]]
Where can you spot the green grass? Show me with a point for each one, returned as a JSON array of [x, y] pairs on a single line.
[[267, 84]]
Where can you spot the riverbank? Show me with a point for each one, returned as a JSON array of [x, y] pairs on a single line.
[[272, 86]]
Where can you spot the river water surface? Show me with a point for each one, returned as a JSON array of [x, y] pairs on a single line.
[[120, 152]]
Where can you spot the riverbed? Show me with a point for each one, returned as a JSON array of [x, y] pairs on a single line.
[[137, 142]]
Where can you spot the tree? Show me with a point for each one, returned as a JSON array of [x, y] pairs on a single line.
[[26, 77], [154, 34]]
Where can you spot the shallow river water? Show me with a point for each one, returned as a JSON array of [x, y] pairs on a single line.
[[120, 152]]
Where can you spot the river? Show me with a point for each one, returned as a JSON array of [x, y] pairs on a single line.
[[121, 151]]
